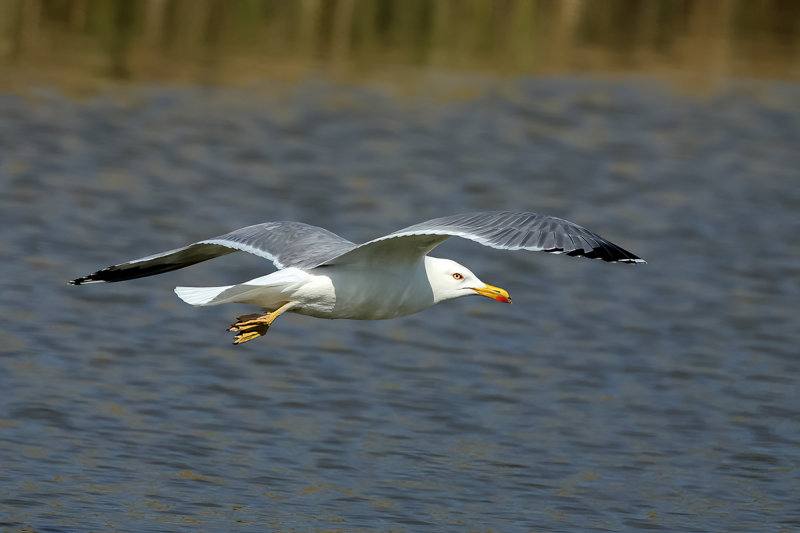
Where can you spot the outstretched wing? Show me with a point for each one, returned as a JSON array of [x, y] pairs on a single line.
[[498, 229], [286, 244]]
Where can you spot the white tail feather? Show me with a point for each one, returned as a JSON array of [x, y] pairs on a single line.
[[265, 291], [244, 293], [201, 295]]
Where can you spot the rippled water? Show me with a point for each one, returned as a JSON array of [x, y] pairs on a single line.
[[607, 398]]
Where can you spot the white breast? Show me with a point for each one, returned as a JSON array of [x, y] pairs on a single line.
[[367, 291]]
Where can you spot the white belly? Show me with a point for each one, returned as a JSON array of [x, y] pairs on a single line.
[[365, 294]]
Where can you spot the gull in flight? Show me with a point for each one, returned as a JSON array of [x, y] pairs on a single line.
[[323, 275]]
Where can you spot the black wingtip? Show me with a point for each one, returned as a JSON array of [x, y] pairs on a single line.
[[606, 251], [624, 257], [91, 278]]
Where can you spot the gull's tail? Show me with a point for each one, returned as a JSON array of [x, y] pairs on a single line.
[[201, 295], [216, 295], [266, 291]]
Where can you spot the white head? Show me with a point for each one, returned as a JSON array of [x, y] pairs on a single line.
[[450, 280]]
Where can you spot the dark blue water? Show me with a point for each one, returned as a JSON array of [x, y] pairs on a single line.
[[607, 398]]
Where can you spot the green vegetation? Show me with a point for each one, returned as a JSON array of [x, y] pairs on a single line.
[[233, 41]]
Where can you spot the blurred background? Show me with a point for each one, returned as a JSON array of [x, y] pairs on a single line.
[[607, 398], [80, 45]]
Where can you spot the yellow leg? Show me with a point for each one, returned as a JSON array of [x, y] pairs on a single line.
[[249, 327]]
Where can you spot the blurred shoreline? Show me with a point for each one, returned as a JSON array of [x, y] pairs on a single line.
[[81, 46]]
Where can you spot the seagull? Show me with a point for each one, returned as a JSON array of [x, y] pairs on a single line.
[[323, 275]]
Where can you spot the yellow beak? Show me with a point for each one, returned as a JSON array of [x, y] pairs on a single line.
[[495, 293]]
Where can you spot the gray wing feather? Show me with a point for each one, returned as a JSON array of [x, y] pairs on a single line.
[[286, 244], [294, 244], [497, 229]]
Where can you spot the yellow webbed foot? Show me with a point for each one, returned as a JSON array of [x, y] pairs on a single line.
[[252, 333], [249, 327]]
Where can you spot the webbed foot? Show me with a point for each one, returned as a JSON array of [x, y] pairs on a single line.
[[249, 327]]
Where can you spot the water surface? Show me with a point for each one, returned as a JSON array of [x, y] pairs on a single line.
[[607, 398]]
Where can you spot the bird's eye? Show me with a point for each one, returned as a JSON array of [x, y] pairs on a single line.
[[458, 276]]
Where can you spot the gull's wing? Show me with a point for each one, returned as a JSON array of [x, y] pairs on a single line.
[[498, 229], [286, 244]]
